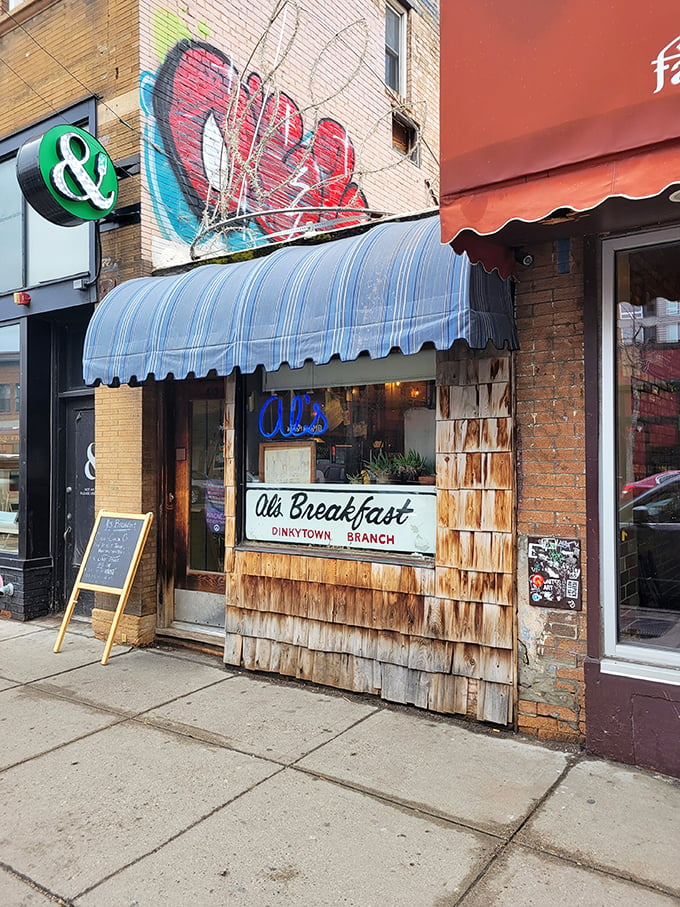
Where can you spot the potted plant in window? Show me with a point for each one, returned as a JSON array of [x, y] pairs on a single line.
[[427, 475], [382, 467], [407, 466]]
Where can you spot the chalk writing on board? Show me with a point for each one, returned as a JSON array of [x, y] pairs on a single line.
[[112, 551]]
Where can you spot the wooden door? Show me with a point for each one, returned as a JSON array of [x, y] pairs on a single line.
[[197, 514]]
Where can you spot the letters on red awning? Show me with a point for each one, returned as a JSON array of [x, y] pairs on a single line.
[[555, 105]]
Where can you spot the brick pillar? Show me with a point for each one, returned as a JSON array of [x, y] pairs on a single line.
[[127, 479], [550, 429]]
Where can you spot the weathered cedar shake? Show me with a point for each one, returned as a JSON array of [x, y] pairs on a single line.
[[439, 636]]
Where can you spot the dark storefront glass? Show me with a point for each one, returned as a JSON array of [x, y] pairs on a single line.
[[648, 418], [206, 526], [9, 436]]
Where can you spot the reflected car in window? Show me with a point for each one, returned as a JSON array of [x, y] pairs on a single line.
[[633, 489], [652, 522]]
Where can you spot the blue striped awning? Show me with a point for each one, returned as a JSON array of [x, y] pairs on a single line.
[[393, 286]]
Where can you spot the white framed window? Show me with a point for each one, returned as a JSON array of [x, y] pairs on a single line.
[[640, 459], [396, 21]]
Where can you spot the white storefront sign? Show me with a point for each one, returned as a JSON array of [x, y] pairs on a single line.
[[396, 518]]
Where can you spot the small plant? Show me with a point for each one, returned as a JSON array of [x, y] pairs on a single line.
[[382, 467], [408, 466], [428, 468], [358, 478]]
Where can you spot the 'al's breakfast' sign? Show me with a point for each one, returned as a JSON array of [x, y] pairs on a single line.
[[397, 518]]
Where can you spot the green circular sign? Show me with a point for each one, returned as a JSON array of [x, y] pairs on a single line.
[[67, 176]]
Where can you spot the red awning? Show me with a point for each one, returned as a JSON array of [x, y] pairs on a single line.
[[563, 105]]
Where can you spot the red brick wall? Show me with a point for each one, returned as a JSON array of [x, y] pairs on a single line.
[[550, 425]]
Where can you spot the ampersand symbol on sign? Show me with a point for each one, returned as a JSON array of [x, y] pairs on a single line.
[[90, 465], [69, 144]]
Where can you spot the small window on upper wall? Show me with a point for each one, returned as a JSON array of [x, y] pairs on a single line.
[[406, 137], [395, 47]]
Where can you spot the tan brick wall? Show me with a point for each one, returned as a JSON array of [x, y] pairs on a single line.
[[550, 427], [127, 482], [62, 53], [67, 51]]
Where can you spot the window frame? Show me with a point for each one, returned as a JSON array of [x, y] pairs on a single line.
[[399, 53], [620, 658], [396, 368], [6, 397], [14, 550], [84, 114]]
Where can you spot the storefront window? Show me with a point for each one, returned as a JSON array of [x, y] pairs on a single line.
[[53, 252], [339, 463], [11, 228], [647, 282], [206, 524], [9, 437], [34, 250]]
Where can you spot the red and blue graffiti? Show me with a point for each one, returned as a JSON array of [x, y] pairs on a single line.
[[237, 147]]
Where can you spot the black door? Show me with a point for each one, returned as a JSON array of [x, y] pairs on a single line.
[[78, 494]]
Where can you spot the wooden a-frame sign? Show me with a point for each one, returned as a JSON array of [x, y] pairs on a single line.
[[109, 565]]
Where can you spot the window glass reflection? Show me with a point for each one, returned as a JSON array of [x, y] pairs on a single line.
[[648, 410], [52, 251], [10, 401], [206, 524], [11, 227]]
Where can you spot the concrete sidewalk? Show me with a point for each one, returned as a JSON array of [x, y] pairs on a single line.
[[163, 778]]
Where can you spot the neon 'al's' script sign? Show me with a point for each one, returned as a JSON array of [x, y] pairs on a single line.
[[316, 423]]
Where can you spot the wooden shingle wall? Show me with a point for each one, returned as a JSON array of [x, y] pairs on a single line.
[[439, 635]]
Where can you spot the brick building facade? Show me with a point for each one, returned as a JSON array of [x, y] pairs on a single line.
[[275, 128], [579, 197], [63, 63], [550, 431], [344, 141]]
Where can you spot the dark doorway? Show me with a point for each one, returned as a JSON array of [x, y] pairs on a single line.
[[194, 533], [79, 477]]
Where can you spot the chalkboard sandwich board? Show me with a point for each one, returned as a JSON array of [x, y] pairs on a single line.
[[109, 564]]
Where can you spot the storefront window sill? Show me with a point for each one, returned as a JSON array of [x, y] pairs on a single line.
[[637, 671], [341, 554]]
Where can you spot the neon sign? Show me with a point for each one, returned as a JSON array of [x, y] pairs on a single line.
[[317, 424]]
